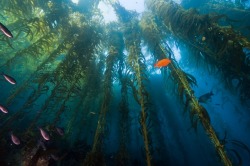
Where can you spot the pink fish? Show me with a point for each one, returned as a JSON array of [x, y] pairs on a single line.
[[44, 134], [4, 109], [9, 79], [5, 31], [14, 139], [60, 131]]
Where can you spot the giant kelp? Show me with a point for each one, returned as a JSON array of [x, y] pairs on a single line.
[[59, 81], [230, 14], [222, 46], [116, 39], [136, 63], [113, 53], [70, 62], [182, 81]]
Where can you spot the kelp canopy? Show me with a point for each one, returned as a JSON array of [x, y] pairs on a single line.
[[86, 92]]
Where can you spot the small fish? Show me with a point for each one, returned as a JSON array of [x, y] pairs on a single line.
[[44, 134], [4, 109], [9, 78], [162, 63], [204, 98], [111, 157], [54, 157], [60, 131], [15, 139], [5, 31], [203, 38], [93, 113]]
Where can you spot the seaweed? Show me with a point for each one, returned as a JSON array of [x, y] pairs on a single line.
[[233, 146], [222, 46], [67, 62], [183, 82]]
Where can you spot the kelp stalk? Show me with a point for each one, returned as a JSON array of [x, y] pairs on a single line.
[[136, 62], [220, 45], [197, 110]]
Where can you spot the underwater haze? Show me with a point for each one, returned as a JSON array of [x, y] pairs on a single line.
[[125, 83]]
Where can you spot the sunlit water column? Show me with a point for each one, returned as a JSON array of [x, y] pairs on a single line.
[[154, 6]]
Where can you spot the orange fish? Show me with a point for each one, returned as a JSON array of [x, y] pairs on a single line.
[[162, 63]]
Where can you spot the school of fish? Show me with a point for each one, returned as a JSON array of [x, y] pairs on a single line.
[[161, 63], [45, 135], [12, 81]]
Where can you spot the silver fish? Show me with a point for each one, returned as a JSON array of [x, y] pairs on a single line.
[[44, 134], [9, 78], [54, 157], [60, 131], [15, 139], [4, 109], [5, 31]]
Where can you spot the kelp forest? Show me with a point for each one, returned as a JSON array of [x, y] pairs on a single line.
[[76, 90]]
